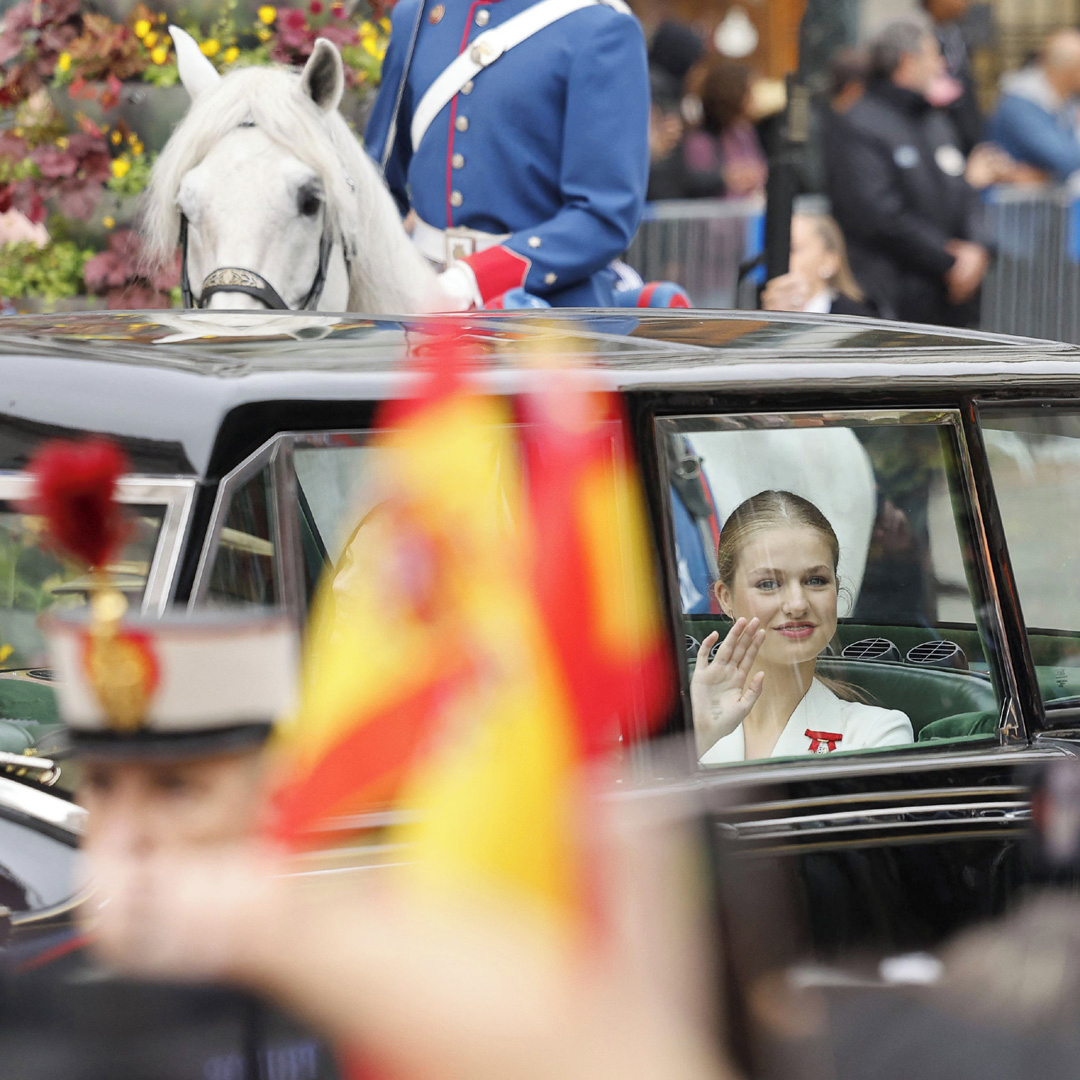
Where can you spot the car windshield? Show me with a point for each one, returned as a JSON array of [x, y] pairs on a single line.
[[35, 579]]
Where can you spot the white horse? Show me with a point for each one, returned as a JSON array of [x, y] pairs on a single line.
[[275, 200]]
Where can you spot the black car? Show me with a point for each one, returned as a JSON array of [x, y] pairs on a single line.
[[947, 462]]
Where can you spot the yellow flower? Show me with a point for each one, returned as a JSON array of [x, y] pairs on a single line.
[[231, 53], [370, 47], [109, 221], [63, 61], [267, 13], [160, 55], [210, 47], [62, 142], [150, 40], [137, 148], [115, 138], [121, 167], [142, 27], [161, 16], [366, 28], [384, 25], [263, 34], [5, 652]]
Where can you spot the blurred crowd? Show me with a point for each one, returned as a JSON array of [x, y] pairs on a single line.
[[898, 145]]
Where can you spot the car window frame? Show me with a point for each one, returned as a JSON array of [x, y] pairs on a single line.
[[1050, 719], [175, 493], [277, 455], [1012, 730]]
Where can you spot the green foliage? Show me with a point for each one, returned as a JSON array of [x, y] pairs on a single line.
[[135, 179], [12, 171], [50, 273], [162, 74], [361, 61]]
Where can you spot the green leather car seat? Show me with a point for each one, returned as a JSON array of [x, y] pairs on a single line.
[[963, 726], [928, 695], [28, 711]]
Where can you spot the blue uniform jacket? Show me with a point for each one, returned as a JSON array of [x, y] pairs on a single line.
[[549, 143]]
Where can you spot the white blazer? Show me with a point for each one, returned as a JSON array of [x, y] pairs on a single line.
[[821, 723]]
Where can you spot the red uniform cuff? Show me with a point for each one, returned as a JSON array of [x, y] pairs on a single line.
[[497, 270]]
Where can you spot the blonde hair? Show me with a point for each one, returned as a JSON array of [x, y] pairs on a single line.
[[843, 281], [768, 510]]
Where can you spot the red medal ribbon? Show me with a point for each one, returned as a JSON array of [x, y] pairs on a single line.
[[823, 742]]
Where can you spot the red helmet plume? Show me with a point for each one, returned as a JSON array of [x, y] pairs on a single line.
[[75, 491]]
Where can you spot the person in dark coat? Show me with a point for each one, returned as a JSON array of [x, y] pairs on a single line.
[[895, 177], [958, 86]]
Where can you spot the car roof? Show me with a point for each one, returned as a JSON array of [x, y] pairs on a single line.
[[165, 380]]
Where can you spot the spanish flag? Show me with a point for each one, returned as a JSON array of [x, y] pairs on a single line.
[[593, 569], [494, 625], [391, 650]]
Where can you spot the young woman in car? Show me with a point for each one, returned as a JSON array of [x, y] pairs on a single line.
[[759, 696]]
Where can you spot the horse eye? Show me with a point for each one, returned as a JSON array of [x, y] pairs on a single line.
[[309, 202]]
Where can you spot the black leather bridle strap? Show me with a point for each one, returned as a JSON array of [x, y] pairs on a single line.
[[237, 279]]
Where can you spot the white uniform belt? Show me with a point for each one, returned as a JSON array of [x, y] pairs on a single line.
[[446, 245], [485, 49]]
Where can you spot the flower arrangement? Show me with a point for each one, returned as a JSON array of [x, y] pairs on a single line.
[[79, 176]]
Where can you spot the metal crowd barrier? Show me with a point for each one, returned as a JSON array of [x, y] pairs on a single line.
[[700, 243], [1034, 283], [1033, 287]]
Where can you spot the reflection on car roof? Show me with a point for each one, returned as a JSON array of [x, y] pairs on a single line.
[[235, 343]]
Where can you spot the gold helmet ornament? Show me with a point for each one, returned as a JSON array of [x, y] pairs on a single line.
[[135, 686]]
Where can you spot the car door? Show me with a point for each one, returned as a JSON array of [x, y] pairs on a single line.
[[887, 849]]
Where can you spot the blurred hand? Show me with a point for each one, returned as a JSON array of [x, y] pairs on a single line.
[[1020, 172], [987, 164], [789, 292], [965, 276], [722, 692], [459, 985], [892, 530], [745, 177], [665, 131], [457, 284]]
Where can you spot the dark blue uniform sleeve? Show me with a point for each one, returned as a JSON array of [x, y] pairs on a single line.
[[381, 125], [605, 167]]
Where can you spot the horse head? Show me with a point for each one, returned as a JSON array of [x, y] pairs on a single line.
[[271, 198]]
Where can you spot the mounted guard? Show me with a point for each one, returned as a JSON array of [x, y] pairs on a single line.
[[516, 131]]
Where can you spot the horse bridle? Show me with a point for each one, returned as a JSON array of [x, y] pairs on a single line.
[[238, 280]]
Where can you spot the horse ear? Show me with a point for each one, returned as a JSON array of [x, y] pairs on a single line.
[[196, 72], [323, 78]]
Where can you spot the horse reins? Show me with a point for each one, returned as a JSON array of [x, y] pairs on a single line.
[[236, 279]]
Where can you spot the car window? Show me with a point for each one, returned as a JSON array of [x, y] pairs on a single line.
[[845, 535], [1034, 456], [243, 568], [34, 578]]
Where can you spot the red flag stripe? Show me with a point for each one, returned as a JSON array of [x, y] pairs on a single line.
[[365, 767]]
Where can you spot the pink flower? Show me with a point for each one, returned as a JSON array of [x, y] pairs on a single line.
[[294, 19], [315, 7]]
